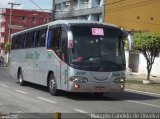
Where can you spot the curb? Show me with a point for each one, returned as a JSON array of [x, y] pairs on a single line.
[[141, 91]]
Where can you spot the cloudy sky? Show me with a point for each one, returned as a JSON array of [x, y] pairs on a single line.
[[27, 4]]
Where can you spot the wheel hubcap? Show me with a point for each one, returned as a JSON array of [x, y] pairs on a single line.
[[20, 79], [52, 84]]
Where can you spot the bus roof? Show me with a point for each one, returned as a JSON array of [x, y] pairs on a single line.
[[67, 22]]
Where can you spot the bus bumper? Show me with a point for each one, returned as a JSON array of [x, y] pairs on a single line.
[[96, 87]]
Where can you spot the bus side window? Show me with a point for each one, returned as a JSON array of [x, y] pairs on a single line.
[[35, 39], [25, 40], [13, 42], [30, 40], [64, 46], [54, 39], [41, 37], [21, 44]]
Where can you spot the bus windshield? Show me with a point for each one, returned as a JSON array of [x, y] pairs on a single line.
[[97, 48]]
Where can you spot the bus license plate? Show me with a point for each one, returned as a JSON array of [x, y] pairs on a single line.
[[100, 88]]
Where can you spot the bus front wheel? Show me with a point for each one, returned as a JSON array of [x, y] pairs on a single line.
[[52, 85]]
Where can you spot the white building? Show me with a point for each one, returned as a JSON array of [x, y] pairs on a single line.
[[137, 64], [80, 9]]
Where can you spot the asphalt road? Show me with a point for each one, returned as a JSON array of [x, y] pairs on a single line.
[[36, 99]]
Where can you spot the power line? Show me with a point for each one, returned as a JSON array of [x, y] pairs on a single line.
[[39, 8], [10, 18]]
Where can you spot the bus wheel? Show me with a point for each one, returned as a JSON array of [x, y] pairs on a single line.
[[52, 85], [20, 78]]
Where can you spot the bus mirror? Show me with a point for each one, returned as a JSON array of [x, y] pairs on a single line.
[[130, 41]]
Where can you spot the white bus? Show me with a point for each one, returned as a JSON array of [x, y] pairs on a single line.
[[70, 55]]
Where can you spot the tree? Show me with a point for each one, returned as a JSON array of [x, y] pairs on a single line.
[[149, 45], [7, 47]]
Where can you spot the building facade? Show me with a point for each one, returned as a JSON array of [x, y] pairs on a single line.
[[16, 20], [80, 9], [136, 15]]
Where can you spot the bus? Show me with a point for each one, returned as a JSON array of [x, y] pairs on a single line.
[[71, 55]]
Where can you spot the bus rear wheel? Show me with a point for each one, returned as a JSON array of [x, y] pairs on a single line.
[[20, 78], [53, 86]]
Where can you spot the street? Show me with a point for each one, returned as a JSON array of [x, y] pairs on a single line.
[[36, 99]]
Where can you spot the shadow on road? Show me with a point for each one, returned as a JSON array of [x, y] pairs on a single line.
[[35, 86], [91, 97], [111, 96]]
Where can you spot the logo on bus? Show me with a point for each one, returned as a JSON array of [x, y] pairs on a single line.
[[118, 74], [81, 73], [30, 55]]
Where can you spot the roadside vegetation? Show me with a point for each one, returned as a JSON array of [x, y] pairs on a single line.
[[149, 45], [137, 84]]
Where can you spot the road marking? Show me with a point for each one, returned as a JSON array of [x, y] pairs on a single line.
[[44, 99], [4, 85], [157, 106], [81, 111], [142, 92], [19, 91]]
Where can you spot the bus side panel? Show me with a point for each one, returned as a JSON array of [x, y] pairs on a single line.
[[53, 63], [39, 67], [18, 61]]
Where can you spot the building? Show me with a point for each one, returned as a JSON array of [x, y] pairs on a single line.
[[80, 9], [132, 15], [136, 15], [20, 20]]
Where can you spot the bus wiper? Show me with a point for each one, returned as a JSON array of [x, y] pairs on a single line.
[[111, 62], [91, 58]]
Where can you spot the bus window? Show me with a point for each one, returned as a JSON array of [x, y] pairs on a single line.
[[54, 39], [14, 42], [25, 41], [64, 46], [21, 38], [30, 39], [41, 37]]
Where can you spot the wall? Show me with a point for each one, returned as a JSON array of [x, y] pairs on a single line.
[[142, 65], [137, 15]]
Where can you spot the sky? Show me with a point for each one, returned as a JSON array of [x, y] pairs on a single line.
[[27, 4]]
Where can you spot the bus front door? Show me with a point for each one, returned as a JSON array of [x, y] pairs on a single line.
[[64, 76]]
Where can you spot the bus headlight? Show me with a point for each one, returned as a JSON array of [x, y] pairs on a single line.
[[119, 80], [78, 79]]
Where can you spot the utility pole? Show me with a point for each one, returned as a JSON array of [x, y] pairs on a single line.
[[10, 18], [53, 10], [10, 23]]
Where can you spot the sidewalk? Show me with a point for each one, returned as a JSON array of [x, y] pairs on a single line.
[[134, 82], [141, 77]]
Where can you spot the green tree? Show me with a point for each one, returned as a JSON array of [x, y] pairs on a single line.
[[149, 45], [7, 47]]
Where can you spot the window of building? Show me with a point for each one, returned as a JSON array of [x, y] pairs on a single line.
[[138, 17], [58, 6], [151, 18]]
